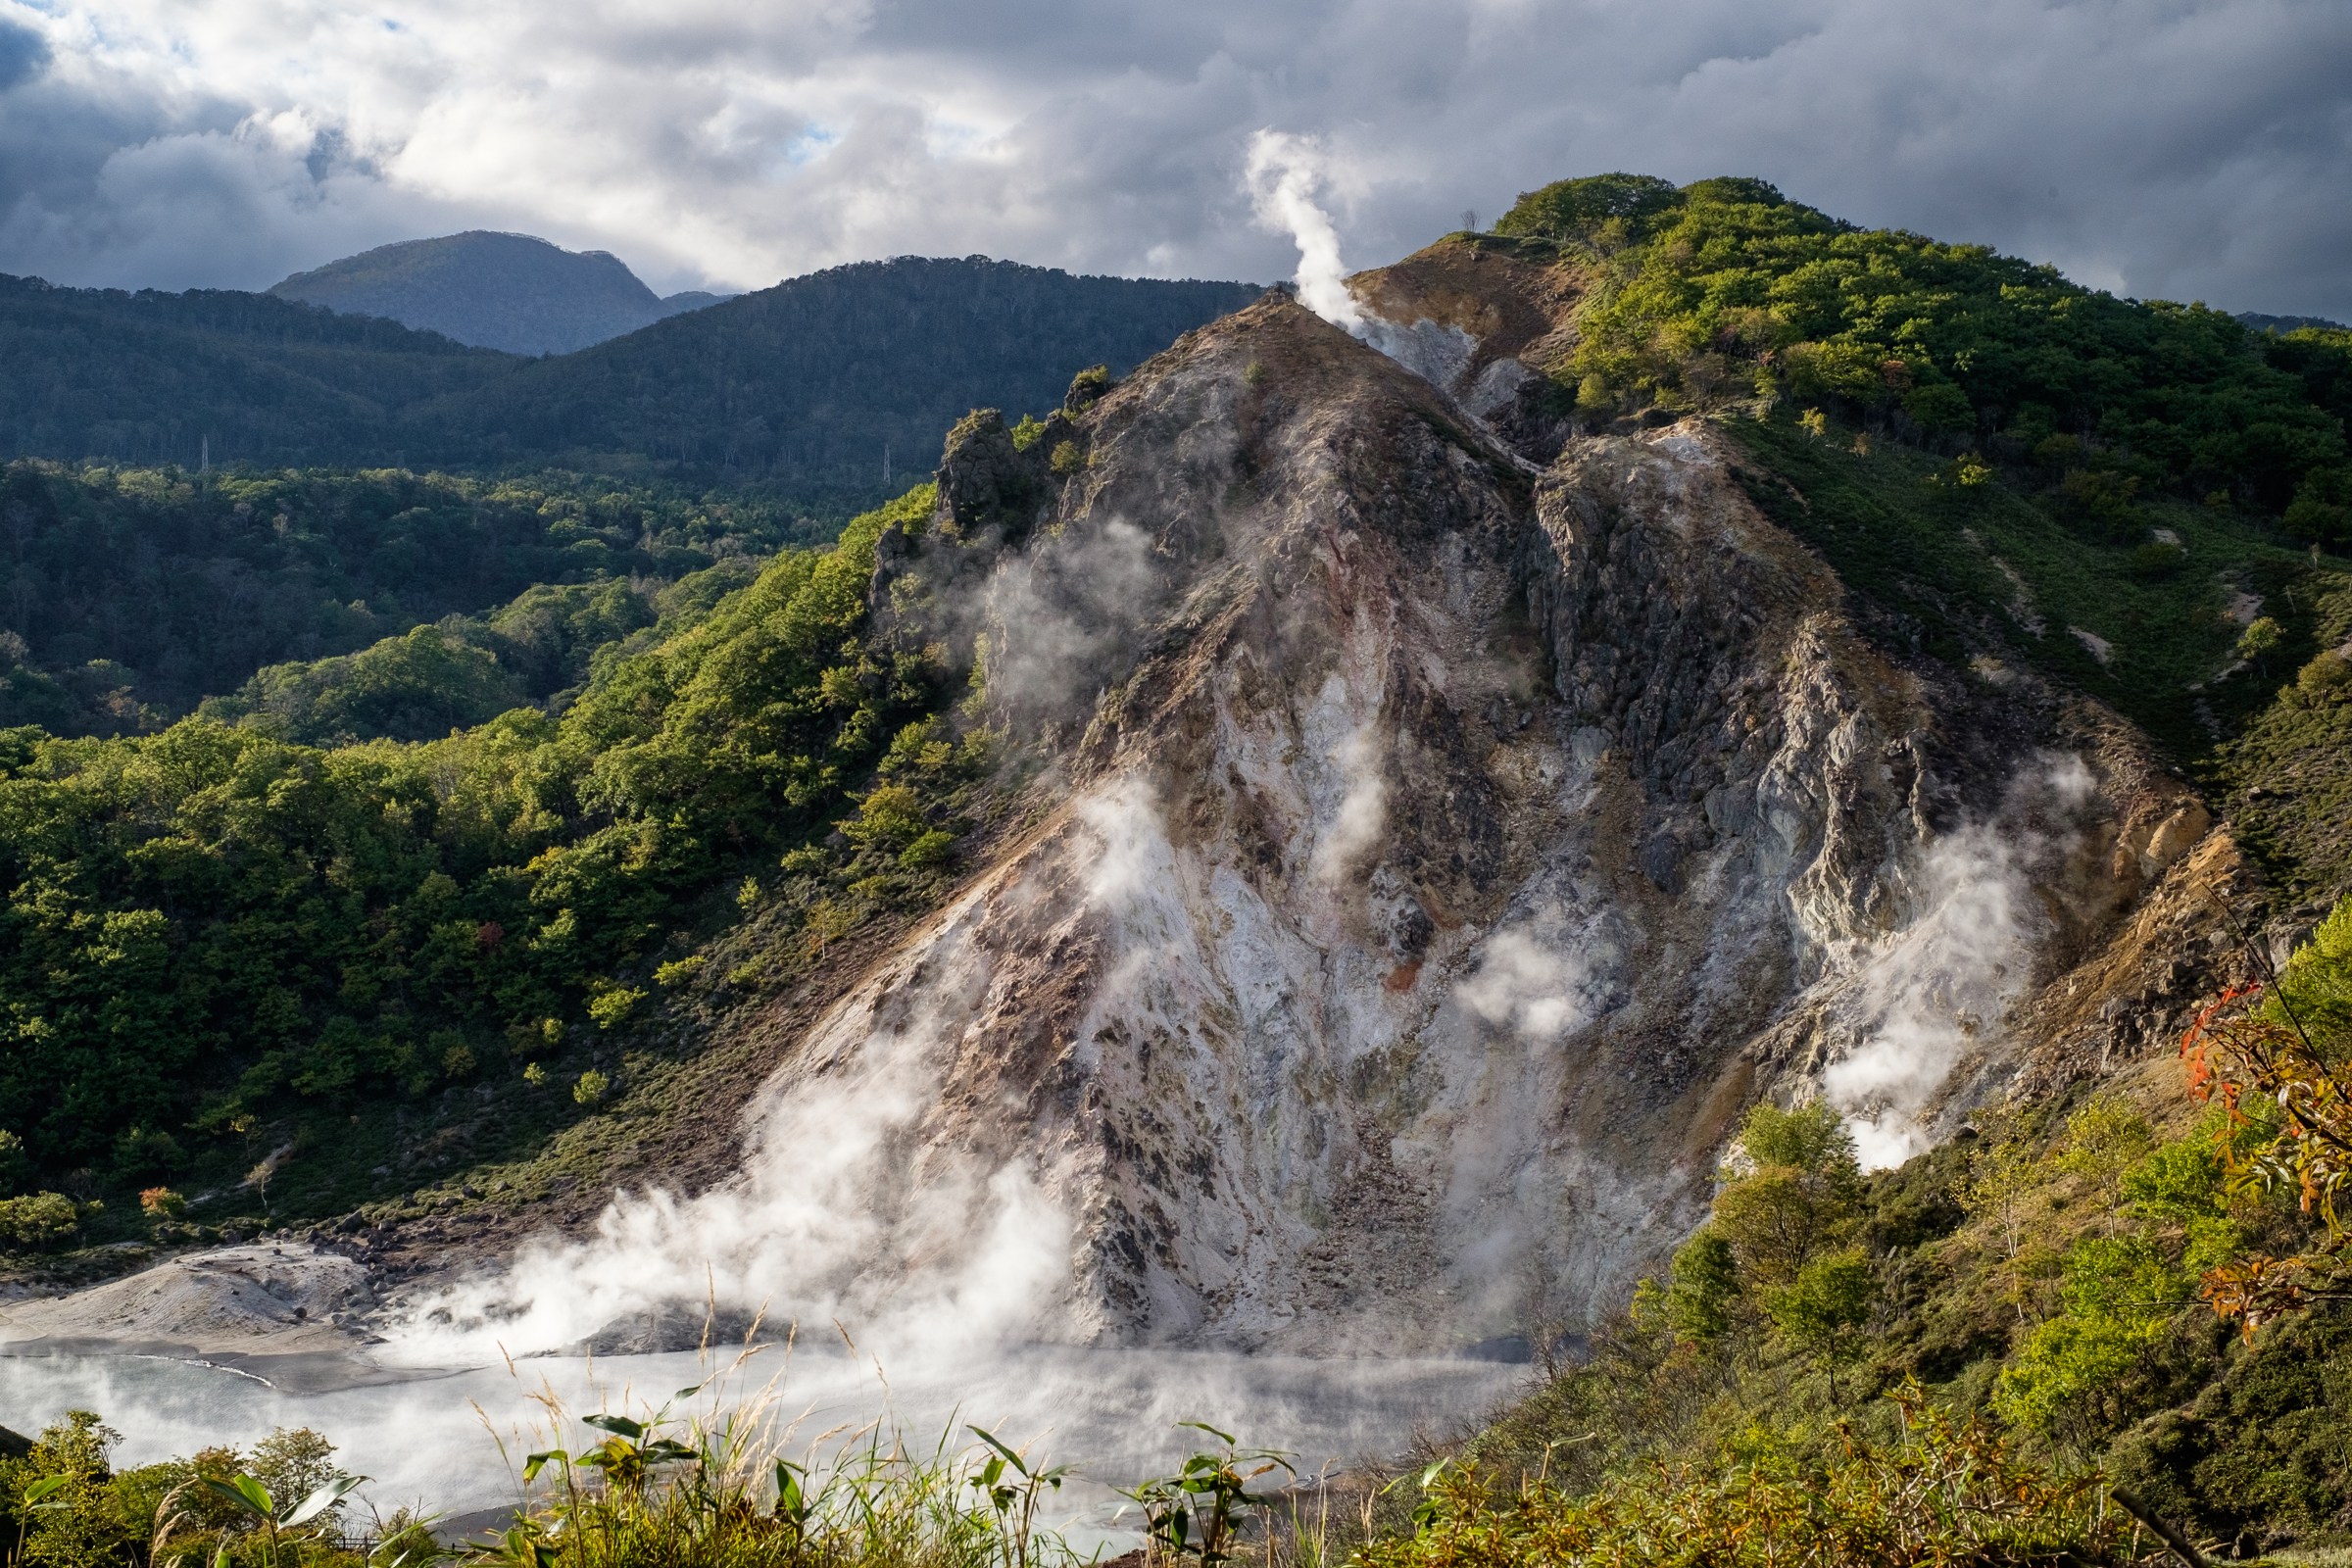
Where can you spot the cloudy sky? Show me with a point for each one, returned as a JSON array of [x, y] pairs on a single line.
[[2163, 148]]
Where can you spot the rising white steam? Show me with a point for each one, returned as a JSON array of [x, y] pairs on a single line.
[[1526, 987], [851, 1206], [1932, 994], [1362, 812], [1284, 172], [1053, 613], [1135, 845], [843, 1212]]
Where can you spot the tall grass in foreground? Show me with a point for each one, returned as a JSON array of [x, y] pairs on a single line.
[[723, 1491]]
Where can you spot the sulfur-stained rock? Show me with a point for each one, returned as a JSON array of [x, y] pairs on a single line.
[[1445, 853]]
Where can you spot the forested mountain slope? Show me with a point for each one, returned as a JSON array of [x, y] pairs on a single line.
[[151, 378], [499, 291], [128, 596], [807, 388], [826, 375], [137, 583]]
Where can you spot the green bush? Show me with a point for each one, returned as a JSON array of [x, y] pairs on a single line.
[[2323, 505], [1940, 1492], [935, 847], [2324, 678], [1706, 1285], [1086, 388], [1828, 1300], [2260, 640], [612, 1007], [42, 1220], [1586, 208]]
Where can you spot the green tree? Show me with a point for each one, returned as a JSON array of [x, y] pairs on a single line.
[[2260, 640], [42, 1220], [295, 1463], [1586, 208], [2075, 1377], [2103, 1141], [1790, 1190], [1824, 1310], [75, 1520], [1700, 1304], [2002, 1175]]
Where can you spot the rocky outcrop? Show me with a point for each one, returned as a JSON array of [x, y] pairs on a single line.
[[1436, 855], [1483, 318], [1439, 826]]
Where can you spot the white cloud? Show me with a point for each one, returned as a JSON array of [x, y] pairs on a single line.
[[2189, 148]]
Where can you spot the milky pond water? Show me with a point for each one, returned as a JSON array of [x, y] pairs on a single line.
[[454, 1440]]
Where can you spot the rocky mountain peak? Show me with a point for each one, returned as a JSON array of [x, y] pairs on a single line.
[[1436, 852], [1416, 852]]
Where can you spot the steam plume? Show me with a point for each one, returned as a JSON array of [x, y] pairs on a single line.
[[841, 1212], [1362, 812], [1523, 986], [1283, 173], [1931, 996]]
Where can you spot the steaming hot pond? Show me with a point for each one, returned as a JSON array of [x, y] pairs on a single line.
[[436, 1436]]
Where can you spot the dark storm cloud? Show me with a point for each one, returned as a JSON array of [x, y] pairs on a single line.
[[2195, 149], [23, 54]]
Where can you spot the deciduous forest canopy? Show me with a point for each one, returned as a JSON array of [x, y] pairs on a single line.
[[1723, 288]]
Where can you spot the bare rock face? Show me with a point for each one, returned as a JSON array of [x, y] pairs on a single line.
[[1441, 853], [1482, 323]]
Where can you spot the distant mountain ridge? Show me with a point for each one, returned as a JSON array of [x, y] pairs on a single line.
[[812, 389], [153, 379], [514, 292], [2286, 323], [841, 371]]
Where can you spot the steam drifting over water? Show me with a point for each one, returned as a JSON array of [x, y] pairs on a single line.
[[1112, 1412]]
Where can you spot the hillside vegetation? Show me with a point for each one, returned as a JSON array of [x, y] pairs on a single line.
[[1718, 293], [2057, 1271], [2140, 1280], [213, 931], [499, 291], [2137, 499], [129, 595], [149, 379], [820, 374]]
